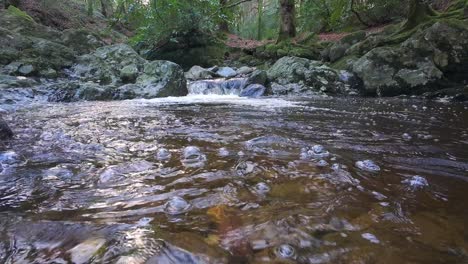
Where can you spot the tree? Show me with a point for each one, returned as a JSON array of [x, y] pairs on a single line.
[[419, 11], [287, 20], [223, 24], [106, 8], [259, 20]]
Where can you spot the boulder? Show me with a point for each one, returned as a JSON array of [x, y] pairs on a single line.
[[226, 72], [115, 65], [81, 41], [257, 77], [419, 64], [244, 70], [293, 75], [253, 90], [199, 73]]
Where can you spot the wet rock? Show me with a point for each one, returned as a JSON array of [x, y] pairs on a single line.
[[245, 167], [257, 77], [5, 131], [367, 165], [285, 251], [322, 163], [81, 40], [199, 73], [226, 72], [416, 182], [407, 136], [176, 205], [26, 70], [253, 90], [163, 154]]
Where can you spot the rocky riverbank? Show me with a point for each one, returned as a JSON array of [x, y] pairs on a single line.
[[39, 62]]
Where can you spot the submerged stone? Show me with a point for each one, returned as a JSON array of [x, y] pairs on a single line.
[[368, 165], [5, 131], [253, 90], [193, 157], [176, 205]]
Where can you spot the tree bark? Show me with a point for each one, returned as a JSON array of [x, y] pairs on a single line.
[[287, 20], [223, 25], [358, 16], [419, 11], [106, 8], [259, 20]]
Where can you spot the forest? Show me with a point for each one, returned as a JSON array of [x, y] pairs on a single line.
[[233, 131]]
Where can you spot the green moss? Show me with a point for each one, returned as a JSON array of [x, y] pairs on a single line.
[[18, 13], [344, 63]]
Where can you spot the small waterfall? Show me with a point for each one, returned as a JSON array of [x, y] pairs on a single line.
[[217, 86]]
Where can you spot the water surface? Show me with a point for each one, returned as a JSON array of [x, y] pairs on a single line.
[[83, 182]]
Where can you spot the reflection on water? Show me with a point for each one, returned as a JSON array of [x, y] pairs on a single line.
[[224, 179]]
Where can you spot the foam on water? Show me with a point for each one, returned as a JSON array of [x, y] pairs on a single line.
[[222, 99]]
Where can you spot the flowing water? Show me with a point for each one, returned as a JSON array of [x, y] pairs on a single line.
[[224, 179]]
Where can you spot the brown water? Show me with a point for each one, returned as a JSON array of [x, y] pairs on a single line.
[[81, 182]]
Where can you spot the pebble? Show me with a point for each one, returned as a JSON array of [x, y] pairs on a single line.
[[223, 152], [407, 136], [176, 205], [368, 165]]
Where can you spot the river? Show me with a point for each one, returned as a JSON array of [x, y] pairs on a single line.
[[225, 179]]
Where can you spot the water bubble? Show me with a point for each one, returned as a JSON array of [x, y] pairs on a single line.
[[368, 165], [262, 187], [285, 251], [193, 157], [406, 136], [316, 151], [176, 205], [416, 182], [163, 154], [223, 152]]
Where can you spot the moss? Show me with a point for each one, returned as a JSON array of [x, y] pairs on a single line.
[[344, 63], [18, 13]]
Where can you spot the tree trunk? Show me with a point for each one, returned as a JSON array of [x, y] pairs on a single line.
[[419, 11], [358, 16], [106, 8], [223, 25], [259, 20], [287, 20]]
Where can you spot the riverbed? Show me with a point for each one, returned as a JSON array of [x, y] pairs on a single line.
[[226, 179]]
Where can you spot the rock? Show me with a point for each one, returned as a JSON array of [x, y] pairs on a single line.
[[226, 72], [162, 79], [163, 154], [416, 182], [48, 73], [262, 188], [103, 66], [81, 41], [26, 70], [419, 64], [253, 90], [293, 75], [5, 131], [129, 73], [218, 86], [15, 82], [285, 251], [199, 73], [244, 70], [257, 77]]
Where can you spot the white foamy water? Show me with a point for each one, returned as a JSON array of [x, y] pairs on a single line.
[[222, 99]]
